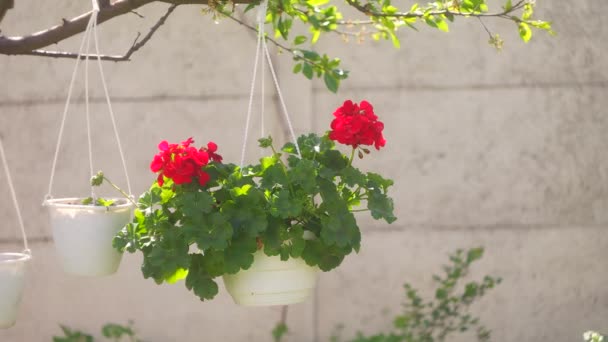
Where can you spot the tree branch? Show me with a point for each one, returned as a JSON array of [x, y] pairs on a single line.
[[27, 44], [126, 57], [366, 9]]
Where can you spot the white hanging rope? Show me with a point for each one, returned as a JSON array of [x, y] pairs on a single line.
[[263, 97], [65, 113], [261, 46], [14, 196], [86, 101], [91, 26], [276, 84], [250, 105], [112, 117]]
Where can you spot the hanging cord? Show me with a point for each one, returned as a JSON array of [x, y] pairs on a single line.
[[276, 84], [262, 98], [86, 100], [91, 26], [65, 113], [261, 46], [250, 105], [14, 196], [112, 117]]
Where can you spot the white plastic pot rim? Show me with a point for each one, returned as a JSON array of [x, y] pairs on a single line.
[[9, 258], [68, 203]]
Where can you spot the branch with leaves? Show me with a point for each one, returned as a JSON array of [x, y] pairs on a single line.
[[378, 20]]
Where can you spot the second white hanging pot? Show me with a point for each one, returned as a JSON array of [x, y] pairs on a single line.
[[271, 281]]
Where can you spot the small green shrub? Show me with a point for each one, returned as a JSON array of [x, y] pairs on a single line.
[[435, 319], [111, 331]]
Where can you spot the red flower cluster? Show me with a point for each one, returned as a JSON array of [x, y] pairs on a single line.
[[356, 124], [182, 162]]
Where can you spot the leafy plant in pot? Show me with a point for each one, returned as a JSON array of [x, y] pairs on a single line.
[[266, 228], [83, 229]]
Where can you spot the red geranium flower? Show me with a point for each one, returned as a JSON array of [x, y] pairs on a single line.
[[182, 162], [357, 124], [211, 148]]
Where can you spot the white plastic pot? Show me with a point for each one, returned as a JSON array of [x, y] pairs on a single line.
[[12, 276], [270, 281], [83, 234]]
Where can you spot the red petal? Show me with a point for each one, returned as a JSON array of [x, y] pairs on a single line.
[[163, 146]]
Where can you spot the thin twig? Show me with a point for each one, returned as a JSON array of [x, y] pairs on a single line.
[[418, 14], [115, 58], [137, 14], [284, 314], [485, 27], [277, 44]]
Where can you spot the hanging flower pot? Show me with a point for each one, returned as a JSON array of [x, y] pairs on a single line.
[[271, 281], [202, 219], [83, 234], [12, 276]]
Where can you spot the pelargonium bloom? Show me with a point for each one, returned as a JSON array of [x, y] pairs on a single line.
[[182, 162], [357, 124]]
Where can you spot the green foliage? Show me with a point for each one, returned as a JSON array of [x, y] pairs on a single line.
[[97, 180], [279, 331], [592, 336], [111, 331], [293, 207], [102, 202], [447, 312], [376, 19]]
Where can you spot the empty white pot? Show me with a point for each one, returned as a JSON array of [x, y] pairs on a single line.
[[83, 234], [12, 276], [270, 281]]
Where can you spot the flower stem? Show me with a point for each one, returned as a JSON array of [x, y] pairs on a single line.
[[352, 156], [120, 190]]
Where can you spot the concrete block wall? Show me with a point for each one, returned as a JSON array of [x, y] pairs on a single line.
[[503, 150]]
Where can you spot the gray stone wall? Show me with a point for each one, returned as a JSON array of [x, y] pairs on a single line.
[[498, 149]]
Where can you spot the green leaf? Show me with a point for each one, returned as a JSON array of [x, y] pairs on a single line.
[[326, 257], [331, 82], [317, 2], [179, 274], [116, 331], [296, 241], [279, 331], [150, 198], [265, 142], [209, 231], [239, 255], [303, 173], [508, 6], [97, 179], [352, 176], [340, 228], [381, 206], [375, 181], [284, 206], [300, 40], [245, 217], [72, 336], [104, 202], [199, 280], [166, 257], [474, 254], [315, 36], [297, 68], [442, 24], [307, 70], [274, 175], [525, 32]]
